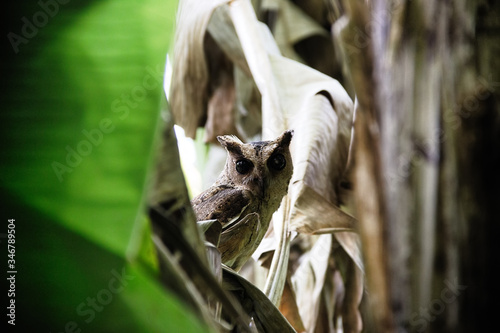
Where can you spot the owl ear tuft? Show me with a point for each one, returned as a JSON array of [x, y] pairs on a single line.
[[231, 143], [285, 138]]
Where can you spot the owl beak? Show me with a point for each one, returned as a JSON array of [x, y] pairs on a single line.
[[263, 184], [258, 186]]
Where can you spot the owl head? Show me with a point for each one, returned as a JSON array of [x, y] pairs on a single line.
[[263, 167]]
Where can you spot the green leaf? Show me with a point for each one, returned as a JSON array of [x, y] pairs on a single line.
[[83, 89]]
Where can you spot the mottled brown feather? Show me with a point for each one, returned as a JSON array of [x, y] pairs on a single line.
[[237, 238], [221, 203]]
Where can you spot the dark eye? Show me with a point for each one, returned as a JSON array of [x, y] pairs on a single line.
[[243, 166], [277, 162]]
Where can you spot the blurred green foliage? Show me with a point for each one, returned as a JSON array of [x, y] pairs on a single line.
[[81, 96]]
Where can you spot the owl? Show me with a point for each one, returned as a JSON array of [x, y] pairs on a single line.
[[246, 194]]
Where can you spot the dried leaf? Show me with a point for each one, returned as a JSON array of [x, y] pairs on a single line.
[[289, 308], [309, 279], [265, 315], [299, 36], [257, 43], [353, 280], [211, 229], [189, 95], [180, 283], [248, 99], [169, 191], [206, 87], [221, 112], [291, 25], [320, 111], [313, 214], [222, 30], [369, 186], [197, 270]]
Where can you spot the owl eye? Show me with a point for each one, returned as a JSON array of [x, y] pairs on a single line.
[[243, 166], [277, 162]]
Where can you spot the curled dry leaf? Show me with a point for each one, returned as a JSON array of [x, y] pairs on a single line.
[[353, 281], [247, 109], [266, 316], [178, 281], [320, 111], [169, 191], [208, 89], [309, 279], [288, 307], [310, 210], [221, 111], [298, 35], [169, 239], [190, 77], [211, 229]]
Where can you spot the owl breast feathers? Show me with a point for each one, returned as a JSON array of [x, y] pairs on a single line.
[[246, 194]]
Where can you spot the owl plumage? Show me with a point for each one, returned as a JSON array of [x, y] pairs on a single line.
[[246, 194]]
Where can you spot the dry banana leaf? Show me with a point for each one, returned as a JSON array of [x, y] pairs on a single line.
[[169, 190], [221, 111], [190, 77], [298, 35], [211, 229], [247, 110], [353, 281], [309, 279], [183, 286], [266, 316], [289, 308], [320, 111], [207, 88], [290, 25], [197, 270], [369, 186], [258, 44], [310, 211], [221, 29]]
